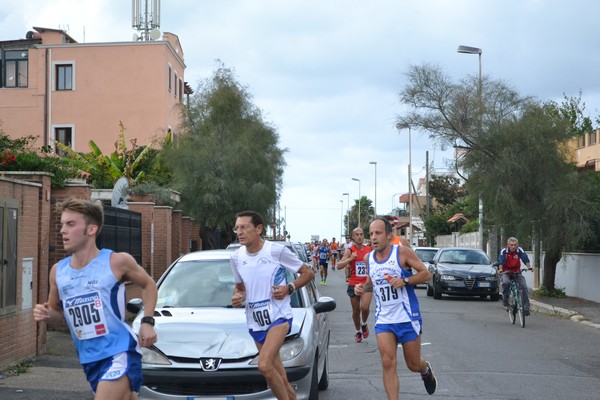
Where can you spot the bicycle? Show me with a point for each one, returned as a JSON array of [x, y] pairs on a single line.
[[515, 299]]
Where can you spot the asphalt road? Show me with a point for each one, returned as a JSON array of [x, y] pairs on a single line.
[[475, 352]]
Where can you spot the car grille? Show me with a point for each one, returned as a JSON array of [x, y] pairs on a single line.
[[209, 389], [469, 282]]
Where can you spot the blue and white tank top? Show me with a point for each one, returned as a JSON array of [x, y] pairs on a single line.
[[392, 305], [93, 302], [260, 272]]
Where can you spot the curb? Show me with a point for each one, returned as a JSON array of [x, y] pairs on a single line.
[[562, 313]]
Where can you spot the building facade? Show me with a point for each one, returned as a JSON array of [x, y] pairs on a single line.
[[57, 89]]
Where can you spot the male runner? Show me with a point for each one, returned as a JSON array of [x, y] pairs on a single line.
[[91, 282], [323, 257], [334, 253], [258, 268], [353, 260], [398, 318]]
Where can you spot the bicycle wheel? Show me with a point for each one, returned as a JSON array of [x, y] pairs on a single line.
[[511, 306], [520, 308]]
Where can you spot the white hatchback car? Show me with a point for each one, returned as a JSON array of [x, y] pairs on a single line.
[[204, 349]]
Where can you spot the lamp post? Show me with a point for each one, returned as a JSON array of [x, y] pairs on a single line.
[[341, 217], [358, 180], [348, 220], [410, 231], [478, 51], [375, 206]]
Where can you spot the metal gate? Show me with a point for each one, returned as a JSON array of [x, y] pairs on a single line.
[[122, 232]]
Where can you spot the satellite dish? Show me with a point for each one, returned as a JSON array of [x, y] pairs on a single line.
[[119, 193], [135, 37], [154, 34]]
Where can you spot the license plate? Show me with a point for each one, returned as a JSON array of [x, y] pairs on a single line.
[[483, 284], [211, 398]]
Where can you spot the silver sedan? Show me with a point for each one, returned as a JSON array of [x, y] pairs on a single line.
[[204, 349]]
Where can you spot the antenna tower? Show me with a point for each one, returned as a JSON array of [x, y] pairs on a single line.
[[145, 17]]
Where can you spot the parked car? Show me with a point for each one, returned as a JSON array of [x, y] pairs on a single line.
[[204, 349], [426, 254], [463, 272]]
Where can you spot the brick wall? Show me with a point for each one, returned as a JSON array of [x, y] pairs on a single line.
[[18, 330], [176, 236], [162, 240], [146, 209]]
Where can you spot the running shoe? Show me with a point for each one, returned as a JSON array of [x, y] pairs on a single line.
[[358, 337], [429, 379], [325, 283], [526, 312], [365, 331], [322, 282]]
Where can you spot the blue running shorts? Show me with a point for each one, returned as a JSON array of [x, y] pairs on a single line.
[[404, 331], [260, 336], [112, 368]]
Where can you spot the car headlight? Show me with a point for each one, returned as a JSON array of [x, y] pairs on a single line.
[[288, 351], [491, 278], [447, 278], [152, 356]]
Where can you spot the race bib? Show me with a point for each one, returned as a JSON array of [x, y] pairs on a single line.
[[261, 314], [85, 316], [361, 268]]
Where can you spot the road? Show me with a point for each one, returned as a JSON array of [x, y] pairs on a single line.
[[475, 352]]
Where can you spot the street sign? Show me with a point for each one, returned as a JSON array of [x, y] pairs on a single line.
[[395, 221]]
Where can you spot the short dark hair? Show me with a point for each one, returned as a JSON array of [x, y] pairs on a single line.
[[93, 213], [255, 217]]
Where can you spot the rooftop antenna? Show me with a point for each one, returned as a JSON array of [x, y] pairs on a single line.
[[145, 18]]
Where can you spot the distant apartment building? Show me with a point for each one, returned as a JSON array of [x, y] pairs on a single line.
[[57, 89], [585, 150]]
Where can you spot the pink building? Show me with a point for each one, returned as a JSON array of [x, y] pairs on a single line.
[[57, 89]]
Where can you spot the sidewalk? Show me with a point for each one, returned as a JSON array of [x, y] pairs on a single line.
[[57, 374], [583, 311]]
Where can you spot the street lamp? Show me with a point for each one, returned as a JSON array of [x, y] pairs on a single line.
[[358, 180], [375, 207], [341, 217], [348, 220], [478, 51]]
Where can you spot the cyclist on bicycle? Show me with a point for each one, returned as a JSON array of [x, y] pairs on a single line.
[[510, 262]]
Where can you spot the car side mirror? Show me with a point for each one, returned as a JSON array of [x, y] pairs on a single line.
[[134, 305], [325, 304]]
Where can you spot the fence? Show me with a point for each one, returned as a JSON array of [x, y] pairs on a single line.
[[122, 232]]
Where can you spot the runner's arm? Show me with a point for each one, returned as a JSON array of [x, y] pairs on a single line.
[[50, 311]]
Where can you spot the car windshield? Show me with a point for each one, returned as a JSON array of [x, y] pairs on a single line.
[[426, 255], [473, 257], [203, 283], [197, 283]]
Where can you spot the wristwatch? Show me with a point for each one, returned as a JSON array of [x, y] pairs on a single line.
[[291, 288], [406, 281], [147, 320]]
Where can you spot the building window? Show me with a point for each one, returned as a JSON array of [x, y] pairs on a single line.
[[580, 141], [9, 214], [175, 80], [15, 67], [592, 138], [180, 90], [64, 77], [170, 72], [63, 135]]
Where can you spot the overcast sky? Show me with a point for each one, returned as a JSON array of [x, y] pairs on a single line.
[[327, 73]]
